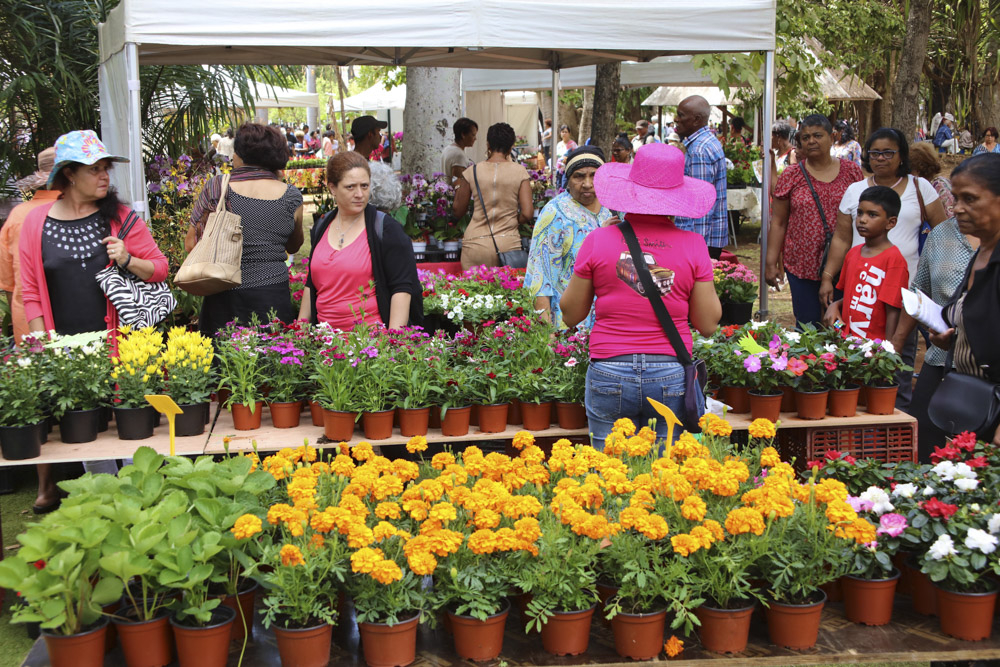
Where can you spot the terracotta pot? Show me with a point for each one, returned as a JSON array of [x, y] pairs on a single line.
[[787, 399], [967, 616], [85, 649], [881, 400], [479, 640], [244, 420], [434, 417], [145, 643], [844, 402], [794, 626], [456, 421], [604, 593], [639, 636], [811, 404], [205, 646], [765, 406], [571, 416], [377, 425], [567, 632], [514, 415], [413, 421], [869, 601], [834, 591], [389, 646], [242, 603], [316, 413], [724, 630], [474, 416], [738, 398], [304, 647], [536, 416], [493, 418], [111, 636], [338, 425], [923, 592], [285, 415], [899, 562]]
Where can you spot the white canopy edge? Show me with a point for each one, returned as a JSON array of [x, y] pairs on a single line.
[[278, 98], [672, 70], [372, 99]]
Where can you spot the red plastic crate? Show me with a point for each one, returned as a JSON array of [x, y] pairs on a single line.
[[887, 442]]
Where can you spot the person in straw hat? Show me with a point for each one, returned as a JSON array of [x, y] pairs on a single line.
[[631, 357]]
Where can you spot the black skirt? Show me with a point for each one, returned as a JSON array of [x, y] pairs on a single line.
[[240, 305]]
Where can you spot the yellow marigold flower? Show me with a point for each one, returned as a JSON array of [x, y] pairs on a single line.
[[744, 520], [715, 529], [684, 544], [279, 512], [625, 425], [291, 555], [317, 541], [859, 530], [246, 526], [442, 460], [523, 439], [342, 465], [637, 446], [254, 460], [693, 508], [718, 427], [322, 522], [655, 527], [383, 530], [487, 518], [362, 451], [422, 563], [762, 428], [443, 513], [839, 512], [387, 510], [703, 535], [386, 571], [359, 535], [674, 647], [829, 489], [363, 561], [417, 443], [769, 457]]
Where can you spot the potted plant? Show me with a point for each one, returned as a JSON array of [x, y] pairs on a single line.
[[808, 373], [572, 357], [843, 379], [334, 377], [375, 391], [284, 368], [242, 371], [736, 285], [21, 405], [533, 372], [881, 366], [455, 398], [137, 371], [765, 372], [58, 577], [187, 362], [81, 368], [416, 383]]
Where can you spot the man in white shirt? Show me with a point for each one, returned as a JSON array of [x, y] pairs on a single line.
[[454, 160]]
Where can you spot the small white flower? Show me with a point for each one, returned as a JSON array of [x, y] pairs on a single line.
[[904, 490], [757, 325], [965, 484], [24, 362], [981, 540], [945, 470], [830, 347], [888, 347], [571, 362], [943, 548], [793, 336], [929, 490], [964, 471], [994, 524], [879, 500]]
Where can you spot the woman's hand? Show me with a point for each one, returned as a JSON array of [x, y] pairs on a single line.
[[116, 250], [826, 291], [943, 340], [772, 274]]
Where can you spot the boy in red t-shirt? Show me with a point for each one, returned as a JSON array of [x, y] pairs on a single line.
[[873, 272]]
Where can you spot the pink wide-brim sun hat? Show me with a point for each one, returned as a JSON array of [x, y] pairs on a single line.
[[654, 184]]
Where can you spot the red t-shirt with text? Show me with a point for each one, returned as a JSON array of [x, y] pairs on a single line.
[[870, 284]]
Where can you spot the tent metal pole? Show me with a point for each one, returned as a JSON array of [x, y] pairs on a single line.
[[765, 189], [555, 126], [343, 116], [136, 167]]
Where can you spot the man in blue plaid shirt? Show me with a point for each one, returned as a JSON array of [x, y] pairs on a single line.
[[704, 160]]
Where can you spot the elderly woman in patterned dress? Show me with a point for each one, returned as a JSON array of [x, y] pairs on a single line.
[[560, 229]]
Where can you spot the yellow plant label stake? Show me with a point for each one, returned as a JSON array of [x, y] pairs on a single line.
[[166, 406], [667, 414]]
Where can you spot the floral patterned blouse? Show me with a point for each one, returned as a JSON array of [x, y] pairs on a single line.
[[850, 150]]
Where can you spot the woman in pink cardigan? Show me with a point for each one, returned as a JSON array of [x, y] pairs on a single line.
[[65, 244]]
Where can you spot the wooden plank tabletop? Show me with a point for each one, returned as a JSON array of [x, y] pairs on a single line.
[[792, 420]]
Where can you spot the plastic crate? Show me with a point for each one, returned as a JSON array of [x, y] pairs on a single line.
[[887, 442]]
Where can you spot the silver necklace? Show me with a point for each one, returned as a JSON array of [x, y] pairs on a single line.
[[343, 231]]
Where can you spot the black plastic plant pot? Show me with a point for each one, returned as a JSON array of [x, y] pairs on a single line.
[[191, 421], [135, 423], [44, 428], [104, 419], [20, 442], [80, 425]]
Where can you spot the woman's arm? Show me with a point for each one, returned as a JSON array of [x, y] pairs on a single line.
[[936, 213], [305, 308], [463, 195], [399, 310], [704, 308], [776, 239], [578, 299], [839, 246], [148, 262], [525, 206], [298, 236]]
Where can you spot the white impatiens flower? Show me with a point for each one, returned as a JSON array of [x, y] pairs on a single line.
[[793, 336], [943, 548], [758, 324], [830, 347], [977, 539], [879, 500], [904, 490], [888, 347], [994, 524], [964, 484]]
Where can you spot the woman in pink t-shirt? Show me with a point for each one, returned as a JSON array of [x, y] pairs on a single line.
[[631, 357]]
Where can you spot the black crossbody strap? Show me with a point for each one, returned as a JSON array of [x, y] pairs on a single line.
[[485, 214], [819, 206], [653, 294], [128, 224]]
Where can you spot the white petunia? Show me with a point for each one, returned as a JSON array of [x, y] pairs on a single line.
[[879, 500], [904, 490], [994, 524], [965, 484], [981, 540], [943, 548]]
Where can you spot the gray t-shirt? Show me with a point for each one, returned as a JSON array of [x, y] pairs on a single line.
[[453, 156]]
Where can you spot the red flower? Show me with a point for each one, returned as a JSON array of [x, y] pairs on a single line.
[[832, 455], [936, 508], [39, 564], [849, 459], [537, 371], [491, 376], [730, 329], [815, 464], [978, 462], [965, 441], [947, 452]]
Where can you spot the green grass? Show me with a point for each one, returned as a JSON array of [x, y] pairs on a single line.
[[15, 509]]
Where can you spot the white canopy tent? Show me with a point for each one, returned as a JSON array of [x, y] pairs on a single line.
[[278, 98], [375, 98], [444, 33]]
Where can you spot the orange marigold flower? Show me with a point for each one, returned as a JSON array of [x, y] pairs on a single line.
[[362, 451], [523, 439], [693, 508], [246, 526], [417, 443], [291, 555], [769, 457], [322, 522], [714, 528], [383, 530], [422, 563], [762, 428], [684, 544], [625, 425], [674, 647], [442, 459], [744, 520], [386, 571], [387, 510], [363, 561]]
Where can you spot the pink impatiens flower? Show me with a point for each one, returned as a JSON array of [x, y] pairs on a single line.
[[891, 524]]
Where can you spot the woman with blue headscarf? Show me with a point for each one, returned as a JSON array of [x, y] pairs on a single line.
[[560, 229]]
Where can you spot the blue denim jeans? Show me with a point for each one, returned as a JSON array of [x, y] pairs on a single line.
[[619, 386]]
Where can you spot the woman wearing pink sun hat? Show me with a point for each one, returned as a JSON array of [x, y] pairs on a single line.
[[632, 358]]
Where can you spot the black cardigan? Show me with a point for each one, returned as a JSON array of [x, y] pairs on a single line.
[[393, 265], [981, 313]]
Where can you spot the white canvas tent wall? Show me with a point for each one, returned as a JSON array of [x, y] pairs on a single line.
[[517, 108], [487, 34]]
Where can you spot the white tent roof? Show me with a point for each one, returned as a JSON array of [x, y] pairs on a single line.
[[374, 98], [268, 98], [675, 70], [671, 96], [492, 34]]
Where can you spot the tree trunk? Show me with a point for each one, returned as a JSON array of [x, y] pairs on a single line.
[[433, 99], [906, 88], [602, 126], [586, 117]]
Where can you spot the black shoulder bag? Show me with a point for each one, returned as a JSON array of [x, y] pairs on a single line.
[[515, 259], [695, 371], [822, 216]]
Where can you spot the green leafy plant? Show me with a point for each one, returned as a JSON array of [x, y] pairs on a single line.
[[81, 369], [22, 399]]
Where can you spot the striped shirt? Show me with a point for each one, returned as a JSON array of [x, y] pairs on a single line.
[[706, 161]]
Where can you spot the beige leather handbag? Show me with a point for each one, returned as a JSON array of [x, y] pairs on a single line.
[[213, 265]]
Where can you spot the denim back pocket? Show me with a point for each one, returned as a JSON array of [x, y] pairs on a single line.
[[604, 399]]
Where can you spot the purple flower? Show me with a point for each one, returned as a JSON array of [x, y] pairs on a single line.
[[891, 524], [291, 360], [860, 505], [779, 364], [752, 363]]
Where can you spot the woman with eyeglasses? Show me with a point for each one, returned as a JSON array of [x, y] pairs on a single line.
[[886, 156], [621, 149], [989, 144]]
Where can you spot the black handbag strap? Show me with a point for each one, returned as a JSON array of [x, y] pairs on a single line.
[[819, 206], [129, 223], [485, 214], [653, 294]]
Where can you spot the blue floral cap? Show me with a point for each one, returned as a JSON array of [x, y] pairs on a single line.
[[82, 146]]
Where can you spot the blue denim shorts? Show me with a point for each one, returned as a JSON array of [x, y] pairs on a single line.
[[619, 386]]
